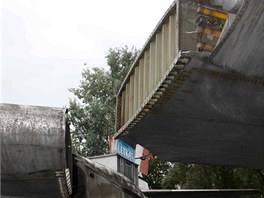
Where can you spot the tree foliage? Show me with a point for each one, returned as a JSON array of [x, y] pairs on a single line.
[[158, 169], [92, 111], [190, 176], [167, 175]]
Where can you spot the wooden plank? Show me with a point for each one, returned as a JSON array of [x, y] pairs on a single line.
[[177, 28], [134, 93], [169, 48], [158, 58], [118, 111], [127, 102], [149, 72], [122, 108], [131, 95], [146, 74], [152, 64], [173, 37], [141, 80], [164, 47], [136, 77]]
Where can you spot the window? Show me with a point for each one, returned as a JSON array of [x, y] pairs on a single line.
[[127, 168]]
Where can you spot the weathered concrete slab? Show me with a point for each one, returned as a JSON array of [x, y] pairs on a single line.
[[242, 48], [100, 181], [32, 139], [32, 148]]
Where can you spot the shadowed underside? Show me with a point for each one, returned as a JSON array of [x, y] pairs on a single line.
[[207, 116]]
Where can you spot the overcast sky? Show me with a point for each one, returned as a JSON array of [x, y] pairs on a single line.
[[46, 42]]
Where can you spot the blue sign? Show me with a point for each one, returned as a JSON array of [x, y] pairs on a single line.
[[125, 150]]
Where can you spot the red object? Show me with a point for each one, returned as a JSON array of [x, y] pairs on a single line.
[[112, 144], [145, 163]]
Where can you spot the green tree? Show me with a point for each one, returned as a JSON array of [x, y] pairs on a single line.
[[157, 171], [92, 111], [190, 176]]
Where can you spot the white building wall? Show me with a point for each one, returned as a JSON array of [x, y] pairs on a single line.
[[138, 153], [108, 161]]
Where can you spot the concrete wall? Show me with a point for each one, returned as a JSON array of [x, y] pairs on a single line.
[[33, 149], [98, 181]]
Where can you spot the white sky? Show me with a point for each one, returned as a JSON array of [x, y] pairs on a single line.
[[46, 42]]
